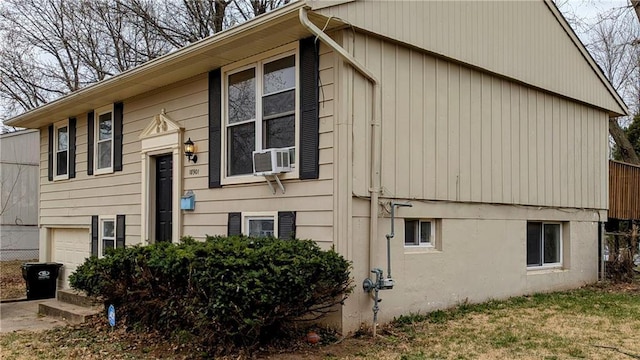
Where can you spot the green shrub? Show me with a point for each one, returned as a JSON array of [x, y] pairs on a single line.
[[226, 290]]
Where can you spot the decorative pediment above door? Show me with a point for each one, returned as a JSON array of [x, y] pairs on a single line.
[[160, 125], [161, 137]]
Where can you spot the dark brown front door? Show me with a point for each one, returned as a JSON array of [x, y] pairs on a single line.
[[164, 184]]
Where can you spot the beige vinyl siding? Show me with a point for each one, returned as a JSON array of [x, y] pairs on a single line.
[[522, 40], [312, 200], [71, 203], [458, 134]]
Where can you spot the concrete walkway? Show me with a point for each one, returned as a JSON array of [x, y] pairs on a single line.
[[23, 315]]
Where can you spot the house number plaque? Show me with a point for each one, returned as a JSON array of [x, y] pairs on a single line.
[[194, 171]]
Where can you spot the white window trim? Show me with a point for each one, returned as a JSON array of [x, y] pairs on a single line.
[[264, 215], [555, 265], [431, 244], [96, 138], [101, 220], [56, 126], [278, 53]]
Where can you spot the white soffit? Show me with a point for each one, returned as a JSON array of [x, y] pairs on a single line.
[[263, 33]]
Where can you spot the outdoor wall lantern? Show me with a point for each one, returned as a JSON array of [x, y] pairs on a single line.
[[189, 149]]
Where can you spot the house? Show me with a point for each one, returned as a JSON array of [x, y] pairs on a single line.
[[19, 181], [488, 118]]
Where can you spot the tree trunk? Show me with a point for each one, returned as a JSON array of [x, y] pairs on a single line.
[[626, 149]]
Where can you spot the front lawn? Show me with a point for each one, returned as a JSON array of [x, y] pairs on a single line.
[[596, 322]]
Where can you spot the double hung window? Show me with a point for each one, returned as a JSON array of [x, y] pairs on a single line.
[[61, 147], [260, 110], [104, 141], [107, 235]]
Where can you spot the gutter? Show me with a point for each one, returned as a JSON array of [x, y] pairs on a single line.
[[376, 105], [138, 74]]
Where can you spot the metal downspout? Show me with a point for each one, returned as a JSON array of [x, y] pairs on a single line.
[[374, 190]]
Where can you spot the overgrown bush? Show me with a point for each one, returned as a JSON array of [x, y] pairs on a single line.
[[226, 290]]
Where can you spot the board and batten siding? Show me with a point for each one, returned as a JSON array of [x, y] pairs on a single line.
[[457, 134], [522, 40]]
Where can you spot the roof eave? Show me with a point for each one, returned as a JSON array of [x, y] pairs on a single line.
[[135, 76], [624, 110]]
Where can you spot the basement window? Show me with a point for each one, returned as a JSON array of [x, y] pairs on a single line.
[[259, 224], [544, 244], [419, 233], [107, 235]]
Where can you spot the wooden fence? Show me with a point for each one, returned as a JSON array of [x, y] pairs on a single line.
[[624, 191]]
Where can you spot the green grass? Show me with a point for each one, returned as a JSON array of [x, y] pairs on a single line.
[[553, 325], [591, 323]]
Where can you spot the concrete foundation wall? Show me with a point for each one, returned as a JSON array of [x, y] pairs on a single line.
[[474, 260]]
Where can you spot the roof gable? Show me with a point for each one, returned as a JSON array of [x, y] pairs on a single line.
[[528, 41]]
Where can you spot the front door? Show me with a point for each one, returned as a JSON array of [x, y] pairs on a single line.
[[164, 185]]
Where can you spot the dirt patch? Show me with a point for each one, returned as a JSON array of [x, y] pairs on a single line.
[[594, 323], [12, 285]]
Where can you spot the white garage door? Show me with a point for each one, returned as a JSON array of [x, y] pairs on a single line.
[[69, 247]]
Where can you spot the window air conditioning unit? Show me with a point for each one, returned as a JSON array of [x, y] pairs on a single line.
[[271, 161]]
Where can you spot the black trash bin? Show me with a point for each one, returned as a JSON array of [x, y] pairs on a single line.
[[41, 279]]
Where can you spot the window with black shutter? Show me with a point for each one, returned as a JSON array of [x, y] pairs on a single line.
[[258, 97]]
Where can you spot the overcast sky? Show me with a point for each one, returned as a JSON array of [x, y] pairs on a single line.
[[588, 10]]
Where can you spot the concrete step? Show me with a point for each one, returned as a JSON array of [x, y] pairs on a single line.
[[73, 314], [75, 297]]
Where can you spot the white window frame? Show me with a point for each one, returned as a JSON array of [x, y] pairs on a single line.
[[416, 235], [560, 246], [101, 237], [257, 62], [259, 216], [96, 139], [56, 127]]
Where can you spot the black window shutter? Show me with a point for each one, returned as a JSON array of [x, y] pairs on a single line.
[[118, 109], [94, 235], [286, 225], [72, 148], [120, 231], [215, 123], [309, 123], [234, 225], [50, 154], [90, 143]]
